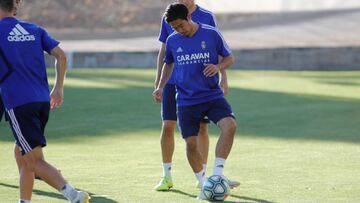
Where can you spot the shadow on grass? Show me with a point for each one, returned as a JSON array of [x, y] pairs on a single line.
[[99, 199], [94, 112], [182, 193], [94, 198], [295, 116], [37, 192], [239, 198], [249, 199]]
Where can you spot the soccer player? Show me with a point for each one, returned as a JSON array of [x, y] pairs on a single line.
[[169, 115], [192, 52], [27, 100], [2, 108]]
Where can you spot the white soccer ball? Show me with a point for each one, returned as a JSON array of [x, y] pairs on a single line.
[[216, 188]]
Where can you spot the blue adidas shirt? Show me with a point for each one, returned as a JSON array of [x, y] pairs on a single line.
[[189, 54], [23, 77], [199, 15]]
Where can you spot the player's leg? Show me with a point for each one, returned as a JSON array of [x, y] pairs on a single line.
[[19, 122], [167, 150], [220, 113], [194, 157], [26, 176], [203, 141], [35, 161], [28, 123], [203, 144], [169, 117], [189, 122], [227, 126], [167, 140]]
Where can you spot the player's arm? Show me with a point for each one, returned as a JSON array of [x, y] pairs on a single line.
[[57, 93], [223, 82], [165, 76], [160, 64], [223, 77]]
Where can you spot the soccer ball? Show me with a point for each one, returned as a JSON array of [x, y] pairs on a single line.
[[216, 188]]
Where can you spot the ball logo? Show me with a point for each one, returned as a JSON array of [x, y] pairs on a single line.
[[19, 34]]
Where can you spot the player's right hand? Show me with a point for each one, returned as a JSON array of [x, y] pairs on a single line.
[[157, 94], [211, 70], [56, 97]]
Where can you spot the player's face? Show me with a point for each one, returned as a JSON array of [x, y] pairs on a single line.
[[188, 3], [181, 26]]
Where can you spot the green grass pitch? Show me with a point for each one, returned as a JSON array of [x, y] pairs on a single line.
[[298, 139]]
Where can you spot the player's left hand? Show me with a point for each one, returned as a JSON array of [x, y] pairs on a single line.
[[211, 70], [157, 94], [56, 97]]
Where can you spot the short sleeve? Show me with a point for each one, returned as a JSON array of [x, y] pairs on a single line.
[[169, 57], [221, 47], [163, 31], [213, 21], [48, 43]]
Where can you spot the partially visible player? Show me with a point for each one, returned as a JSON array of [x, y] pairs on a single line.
[[3, 112], [168, 111], [193, 53], [27, 100], [2, 108]]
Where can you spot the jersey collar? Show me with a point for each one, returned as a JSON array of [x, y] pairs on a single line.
[[8, 19]]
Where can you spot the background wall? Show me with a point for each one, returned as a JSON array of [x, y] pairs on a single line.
[[254, 6]]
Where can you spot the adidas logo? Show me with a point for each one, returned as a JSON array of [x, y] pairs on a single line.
[[179, 50], [19, 34]]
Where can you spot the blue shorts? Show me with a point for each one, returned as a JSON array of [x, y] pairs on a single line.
[[168, 105], [28, 123], [191, 116]]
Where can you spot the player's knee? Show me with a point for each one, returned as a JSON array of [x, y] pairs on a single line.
[[29, 165], [31, 160], [203, 131], [230, 126], [191, 143], [169, 126], [17, 153]]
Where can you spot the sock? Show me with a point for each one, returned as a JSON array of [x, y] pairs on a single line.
[[204, 168], [219, 166], [167, 170], [200, 177], [69, 192], [24, 201]]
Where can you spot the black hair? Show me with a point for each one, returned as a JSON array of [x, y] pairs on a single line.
[[176, 11], [7, 5]]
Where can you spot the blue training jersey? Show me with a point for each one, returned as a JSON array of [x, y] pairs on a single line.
[[189, 55], [23, 77], [199, 15]]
